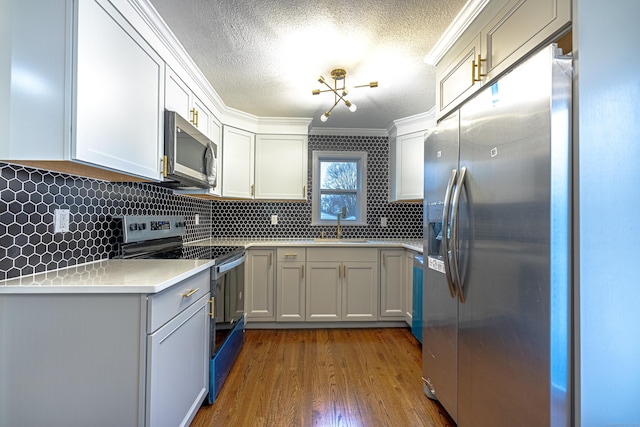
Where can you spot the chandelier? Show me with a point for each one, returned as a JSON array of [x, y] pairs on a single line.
[[339, 93]]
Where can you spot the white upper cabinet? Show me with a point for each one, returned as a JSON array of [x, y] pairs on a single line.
[[518, 28], [281, 167], [504, 32], [86, 91], [237, 163], [265, 167], [406, 167], [181, 99]]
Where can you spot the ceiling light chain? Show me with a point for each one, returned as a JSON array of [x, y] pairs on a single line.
[[339, 93]]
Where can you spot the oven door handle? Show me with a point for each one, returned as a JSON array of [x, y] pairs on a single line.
[[223, 268]]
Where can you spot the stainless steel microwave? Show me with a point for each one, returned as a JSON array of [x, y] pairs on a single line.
[[189, 156]]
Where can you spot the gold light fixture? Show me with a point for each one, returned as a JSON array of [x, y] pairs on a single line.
[[339, 93]]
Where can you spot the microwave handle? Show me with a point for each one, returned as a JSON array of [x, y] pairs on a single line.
[[210, 165]]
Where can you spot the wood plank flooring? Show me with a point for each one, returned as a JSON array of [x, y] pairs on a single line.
[[325, 377]]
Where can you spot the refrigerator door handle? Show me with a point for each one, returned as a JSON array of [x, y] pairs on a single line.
[[455, 210], [446, 234]]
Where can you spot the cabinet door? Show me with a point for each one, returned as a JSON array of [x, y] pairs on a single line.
[[178, 367], [407, 170], [456, 76], [290, 292], [392, 283], [360, 291], [177, 96], [408, 287], [201, 117], [281, 167], [119, 91], [237, 163], [518, 28], [324, 296], [259, 286]]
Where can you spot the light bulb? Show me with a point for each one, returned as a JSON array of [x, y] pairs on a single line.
[[324, 117], [353, 107]]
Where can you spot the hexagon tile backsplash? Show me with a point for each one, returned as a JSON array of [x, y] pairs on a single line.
[[29, 197]]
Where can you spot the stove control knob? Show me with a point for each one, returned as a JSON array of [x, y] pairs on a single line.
[[143, 226], [132, 227]]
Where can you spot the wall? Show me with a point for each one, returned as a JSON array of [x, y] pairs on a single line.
[[28, 198], [252, 219], [607, 248]]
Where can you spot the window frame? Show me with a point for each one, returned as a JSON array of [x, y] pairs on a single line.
[[360, 157]]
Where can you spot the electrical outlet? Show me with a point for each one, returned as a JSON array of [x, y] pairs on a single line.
[[274, 219], [197, 219], [383, 221], [61, 220]]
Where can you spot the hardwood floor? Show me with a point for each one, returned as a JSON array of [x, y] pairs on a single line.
[[325, 377]]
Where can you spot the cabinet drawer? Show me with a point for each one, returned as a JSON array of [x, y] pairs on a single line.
[[291, 254], [164, 306], [342, 254]]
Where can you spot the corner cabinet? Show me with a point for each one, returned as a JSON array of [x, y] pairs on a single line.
[[98, 97], [260, 274], [392, 284], [406, 167], [281, 167], [342, 284], [504, 32]]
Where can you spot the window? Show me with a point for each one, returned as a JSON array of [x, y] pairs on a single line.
[[339, 181]]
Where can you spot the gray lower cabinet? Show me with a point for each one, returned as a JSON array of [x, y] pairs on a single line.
[[260, 280], [104, 359], [392, 280], [291, 285], [344, 290]]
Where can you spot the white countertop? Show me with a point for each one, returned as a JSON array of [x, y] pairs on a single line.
[[412, 244], [146, 276]]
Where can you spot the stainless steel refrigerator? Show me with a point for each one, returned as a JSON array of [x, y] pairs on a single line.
[[496, 308]]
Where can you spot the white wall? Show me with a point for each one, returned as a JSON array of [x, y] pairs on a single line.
[[606, 35]]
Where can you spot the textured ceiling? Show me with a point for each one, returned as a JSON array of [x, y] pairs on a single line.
[[264, 57]]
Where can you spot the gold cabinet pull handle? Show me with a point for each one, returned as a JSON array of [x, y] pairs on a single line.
[[476, 65], [473, 72], [304, 191], [270, 258], [339, 272], [252, 190], [480, 61], [345, 271], [213, 307], [287, 255], [303, 271], [384, 258], [191, 292], [164, 166]]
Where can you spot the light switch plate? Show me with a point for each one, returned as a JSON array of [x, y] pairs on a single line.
[[61, 220], [274, 219], [383, 221]]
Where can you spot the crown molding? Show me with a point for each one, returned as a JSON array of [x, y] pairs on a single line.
[[416, 123], [460, 23], [348, 131]]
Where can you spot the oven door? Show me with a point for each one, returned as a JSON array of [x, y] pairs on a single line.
[[227, 325], [229, 300]]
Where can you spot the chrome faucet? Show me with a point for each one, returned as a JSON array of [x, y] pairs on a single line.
[[342, 214]]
